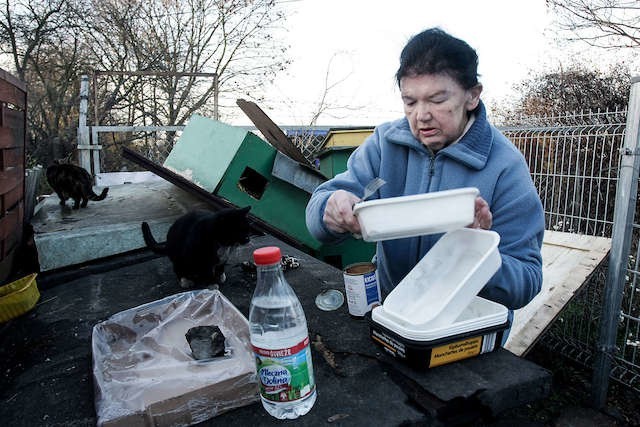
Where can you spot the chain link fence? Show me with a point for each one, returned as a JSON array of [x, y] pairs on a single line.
[[574, 161], [153, 142], [156, 142]]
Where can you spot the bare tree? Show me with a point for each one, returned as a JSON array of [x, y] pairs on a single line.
[[571, 88], [51, 43], [231, 38], [601, 23], [28, 25], [325, 105], [41, 38]]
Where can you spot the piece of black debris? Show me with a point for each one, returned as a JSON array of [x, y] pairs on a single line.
[[206, 342], [287, 263]]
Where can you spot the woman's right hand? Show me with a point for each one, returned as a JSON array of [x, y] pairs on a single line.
[[338, 214]]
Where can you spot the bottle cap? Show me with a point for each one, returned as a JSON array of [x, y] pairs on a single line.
[[267, 255]]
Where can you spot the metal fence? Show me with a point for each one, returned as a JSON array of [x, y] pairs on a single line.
[[575, 161]]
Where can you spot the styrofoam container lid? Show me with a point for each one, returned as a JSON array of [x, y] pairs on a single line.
[[479, 314], [415, 215], [443, 283]]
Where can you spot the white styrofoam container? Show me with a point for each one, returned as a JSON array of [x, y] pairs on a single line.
[[416, 215], [479, 314], [443, 283]]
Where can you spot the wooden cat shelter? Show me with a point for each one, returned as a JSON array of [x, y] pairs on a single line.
[[274, 178]]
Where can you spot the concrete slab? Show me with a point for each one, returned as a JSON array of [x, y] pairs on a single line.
[[108, 179], [65, 237]]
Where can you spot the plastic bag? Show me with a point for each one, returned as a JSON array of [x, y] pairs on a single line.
[[145, 374]]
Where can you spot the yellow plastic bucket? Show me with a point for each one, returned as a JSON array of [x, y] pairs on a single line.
[[18, 297]]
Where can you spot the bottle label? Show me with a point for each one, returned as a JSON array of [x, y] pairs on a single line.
[[285, 374]]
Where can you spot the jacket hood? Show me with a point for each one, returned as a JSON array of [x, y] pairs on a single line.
[[472, 150]]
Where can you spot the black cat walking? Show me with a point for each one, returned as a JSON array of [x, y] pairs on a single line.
[[199, 243], [73, 182]]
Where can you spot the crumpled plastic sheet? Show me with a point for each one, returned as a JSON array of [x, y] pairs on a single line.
[[145, 374]]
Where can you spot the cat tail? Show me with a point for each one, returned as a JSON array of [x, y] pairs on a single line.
[[93, 196], [159, 248]]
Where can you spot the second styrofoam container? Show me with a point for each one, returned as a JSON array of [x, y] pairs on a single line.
[[443, 283], [416, 215], [479, 314], [479, 329]]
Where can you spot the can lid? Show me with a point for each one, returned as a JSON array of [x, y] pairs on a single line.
[[267, 255]]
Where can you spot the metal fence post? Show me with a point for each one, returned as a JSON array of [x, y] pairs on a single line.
[[84, 150], [625, 206]]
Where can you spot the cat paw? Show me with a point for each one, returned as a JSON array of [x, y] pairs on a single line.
[[214, 287], [222, 278]]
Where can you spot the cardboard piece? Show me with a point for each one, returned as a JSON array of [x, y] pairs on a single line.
[[145, 374]]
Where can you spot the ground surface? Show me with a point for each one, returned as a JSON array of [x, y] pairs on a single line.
[[568, 403]]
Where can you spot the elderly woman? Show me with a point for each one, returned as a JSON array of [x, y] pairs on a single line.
[[443, 142]]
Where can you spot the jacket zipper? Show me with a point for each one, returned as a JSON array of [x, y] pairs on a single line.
[[432, 168]]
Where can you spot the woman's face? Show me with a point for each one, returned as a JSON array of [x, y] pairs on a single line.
[[436, 107]]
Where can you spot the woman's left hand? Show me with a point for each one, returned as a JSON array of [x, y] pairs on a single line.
[[483, 218]]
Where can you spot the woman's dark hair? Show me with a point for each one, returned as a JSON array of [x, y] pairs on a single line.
[[435, 52]]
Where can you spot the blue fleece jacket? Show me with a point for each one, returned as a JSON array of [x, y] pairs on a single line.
[[483, 158]]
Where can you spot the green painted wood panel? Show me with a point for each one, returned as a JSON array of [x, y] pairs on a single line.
[[280, 204], [204, 151], [334, 160]]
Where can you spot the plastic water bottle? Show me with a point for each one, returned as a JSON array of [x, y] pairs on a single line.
[[280, 341]]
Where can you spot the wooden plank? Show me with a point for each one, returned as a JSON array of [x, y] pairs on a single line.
[[13, 119], [11, 222], [10, 244], [9, 93], [10, 198], [11, 157], [568, 261], [271, 131], [7, 139], [6, 264], [13, 231], [10, 178], [10, 78]]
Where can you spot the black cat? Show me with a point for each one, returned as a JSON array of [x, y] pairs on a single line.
[[199, 243], [71, 181]]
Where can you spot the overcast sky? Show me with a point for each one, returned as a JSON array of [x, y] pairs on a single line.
[[362, 40]]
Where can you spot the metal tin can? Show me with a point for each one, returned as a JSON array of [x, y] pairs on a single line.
[[362, 288]]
